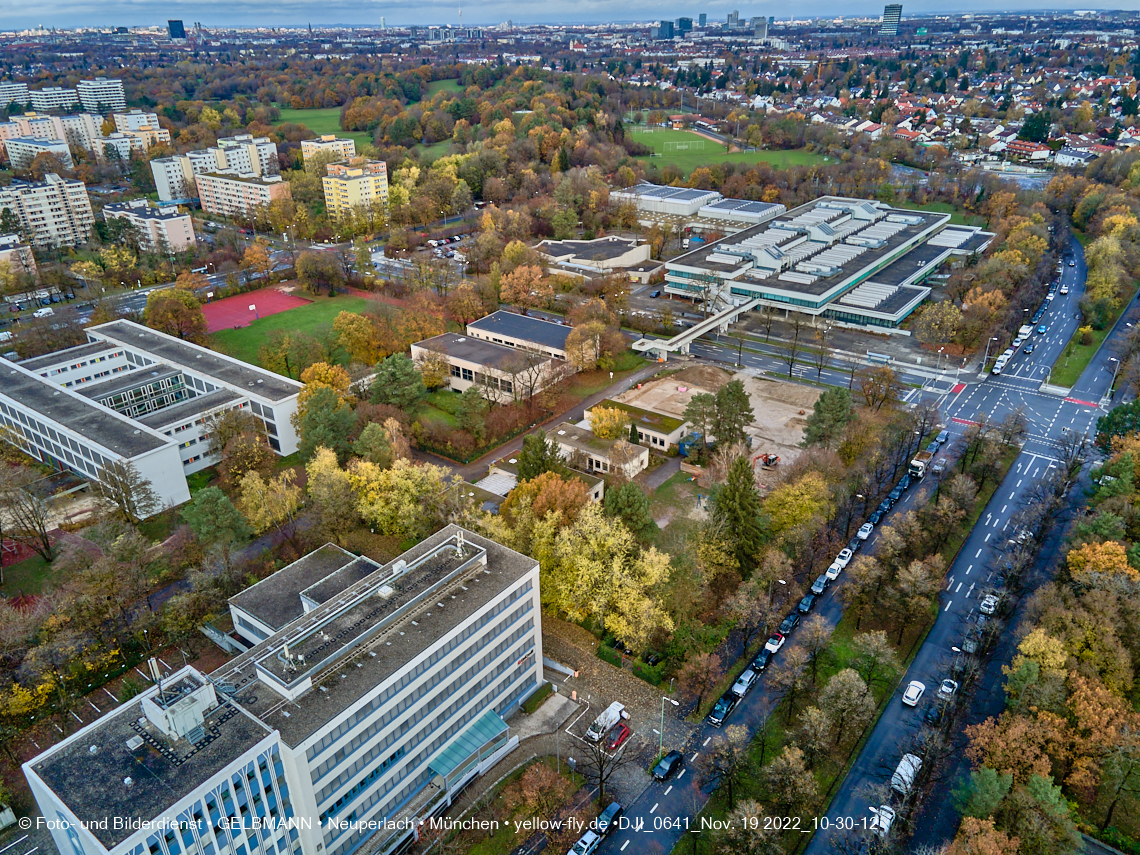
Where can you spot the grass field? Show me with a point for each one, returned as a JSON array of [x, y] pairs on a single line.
[[671, 145], [957, 216], [324, 120], [435, 151], [443, 86], [243, 344]]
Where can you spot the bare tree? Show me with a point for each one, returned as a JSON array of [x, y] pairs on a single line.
[[24, 510], [798, 323], [120, 483], [600, 764], [822, 349]]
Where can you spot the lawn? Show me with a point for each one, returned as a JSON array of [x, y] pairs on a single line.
[[664, 141], [30, 576], [440, 406], [957, 215], [435, 151], [1075, 358], [243, 343], [435, 86], [324, 120]]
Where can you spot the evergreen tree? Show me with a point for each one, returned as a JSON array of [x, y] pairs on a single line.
[[327, 422], [733, 413], [399, 383], [631, 505], [538, 455], [738, 508], [831, 413]]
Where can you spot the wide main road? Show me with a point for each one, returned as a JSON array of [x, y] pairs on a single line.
[[663, 813]]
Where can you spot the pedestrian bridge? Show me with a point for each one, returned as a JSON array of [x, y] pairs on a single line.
[[659, 349]]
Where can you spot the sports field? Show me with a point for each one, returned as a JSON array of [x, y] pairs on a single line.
[[687, 150], [312, 318], [231, 312], [324, 120]]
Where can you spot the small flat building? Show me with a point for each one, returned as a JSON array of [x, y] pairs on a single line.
[[503, 476], [583, 449], [598, 257], [522, 331], [657, 430], [504, 373]]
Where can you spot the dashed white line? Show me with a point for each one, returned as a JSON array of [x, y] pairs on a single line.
[[654, 808], [1019, 480], [706, 742], [696, 754], [987, 537], [979, 555], [1003, 507], [669, 790], [948, 604], [959, 588], [968, 569], [681, 774], [623, 846]]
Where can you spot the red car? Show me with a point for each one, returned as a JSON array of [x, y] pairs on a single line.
[[619, 733]]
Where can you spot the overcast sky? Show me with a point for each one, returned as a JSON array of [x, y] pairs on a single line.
[[220, 13]]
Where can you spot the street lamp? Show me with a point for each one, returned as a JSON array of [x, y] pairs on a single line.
[[1112, 385], [661, 734], [986, 358]]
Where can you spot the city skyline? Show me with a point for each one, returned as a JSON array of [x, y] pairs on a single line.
[[64, 14]]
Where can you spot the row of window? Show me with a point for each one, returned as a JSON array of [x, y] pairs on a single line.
[[84, 364], [473, 377]]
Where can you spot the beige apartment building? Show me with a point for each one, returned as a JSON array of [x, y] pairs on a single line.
[[159, 229], [343, 149], [238, 195], [55, 211], [142, 126], [18, 256], [355, 184]]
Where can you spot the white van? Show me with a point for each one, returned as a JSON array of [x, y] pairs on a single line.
[[610, 716], [45, 312], [903, 778], [5, 336]]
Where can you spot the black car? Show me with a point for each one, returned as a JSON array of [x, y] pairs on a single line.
[[651, 658], [819, 585], [806, 604], [904, 482], [895, 494], [1029, 348], [669, 764], [934, 715], [876, 516], [763, 658], [725, 705], [789, 623], [608, 818], [854, 544], [942, 437]]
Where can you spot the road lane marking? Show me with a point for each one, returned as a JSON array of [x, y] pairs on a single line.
[[950, 584], [948, 604], [681, 774], [987, 537], [959, 588], [669, 790], [1019, 480], [969, 590], [706, 742], [696, 754], [1003, 507], [623, 846], [968, 569], [654, 808], [979, 555]]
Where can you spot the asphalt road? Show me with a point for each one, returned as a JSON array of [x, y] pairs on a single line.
[[667, 810]]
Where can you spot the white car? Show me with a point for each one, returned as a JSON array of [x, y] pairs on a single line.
[[833, 571], [913, 693], [1018, 342], [774, 643], [947, 689], [586, 844], [1064, 290], [1072, 264], [844, 558], [864, 531], [881, 820], [988, 605], [1006, 354], [999, 367]]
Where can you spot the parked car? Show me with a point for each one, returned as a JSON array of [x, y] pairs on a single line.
[[744, 682], [895, 494], [882, 818], [587, 844], [844, 558], [913, 693], [933, 715], [833, 572], [655, 294], [806, 604], [721, 709], [988, 605], [854, 543], [1018, 342], [820, 584], [789, 623], [607, 819], [762, 660], [943, 437], [775, 642], [865, 530], [1064, 290], [947, 689], [619, 733], [876, 516], [904, 482], [670, 763]]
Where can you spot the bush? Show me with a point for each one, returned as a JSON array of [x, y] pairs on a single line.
[[129, 689], [535, 701], [608, 654], [652, 674]]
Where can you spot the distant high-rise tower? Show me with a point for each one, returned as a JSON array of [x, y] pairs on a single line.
[[176, 30], [733, 19], [683, 25], [703, 19], [892, 13]]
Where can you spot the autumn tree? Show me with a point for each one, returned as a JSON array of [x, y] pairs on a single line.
[[547, 493], [331, 495], [593, 345], [609, 422], [874, 656], [981, 837], [120, 483], [788, 678], [848, 702], [271, 504], [27, 518], [526, 286], [698, 676], [358, 336], [317, 270], [465, 303], [792, 787], [176, 312], [938, 323], [728, 761], [257, 260]]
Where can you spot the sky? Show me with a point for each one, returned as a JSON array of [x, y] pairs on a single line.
[[15, 14]]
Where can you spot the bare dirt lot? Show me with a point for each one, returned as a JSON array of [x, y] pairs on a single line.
[[670, 395]]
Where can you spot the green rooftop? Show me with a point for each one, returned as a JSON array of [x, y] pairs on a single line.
[[645, 419]]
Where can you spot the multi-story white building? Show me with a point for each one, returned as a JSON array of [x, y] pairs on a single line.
[[13, 93], [383, 693], [23, 150], [141, 125], [159, 229], [17, 255], [53, 98], [243, 154], [341, 149], [237, 195], [132, 393], [55, 211], [101, 95], [118, 145], [81, 129], [174, 178]]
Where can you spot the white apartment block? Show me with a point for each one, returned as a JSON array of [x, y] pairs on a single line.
[[101, 95], [18, 256], [243, 154], [134, 120], [53, 98], [237, 195], [132, 393], [23, 150], [55, 211], [118, 145], [343, 149], [381, 696], [174, 178], [13, 93], [159, 229], [81, 129]]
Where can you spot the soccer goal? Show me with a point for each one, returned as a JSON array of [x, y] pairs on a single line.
[[679, 146]]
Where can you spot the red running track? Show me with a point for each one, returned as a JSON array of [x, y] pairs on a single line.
[[234, 312]]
